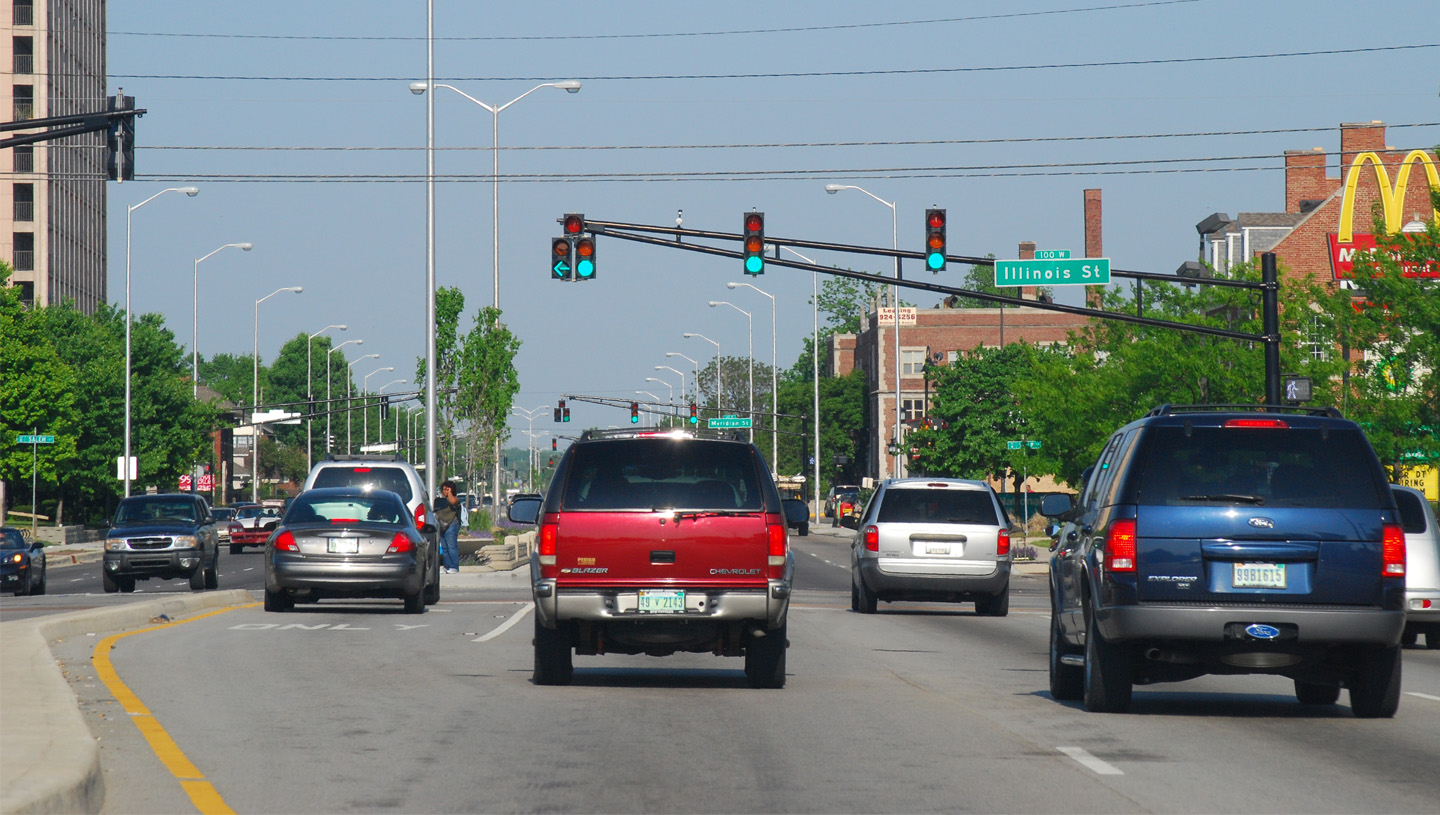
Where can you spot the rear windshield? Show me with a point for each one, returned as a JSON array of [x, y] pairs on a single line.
[[1412, 514], [377, 507], [932, 506], [1271, 467], [367, 478], [662, 474]]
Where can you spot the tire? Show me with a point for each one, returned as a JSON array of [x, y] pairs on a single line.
[[1432, 637], [1316, 693], [866, 601], [212, 574], [197, 577], [1067, 682], [107, 582], [1411, 635], [553, 661], [40, 589], [278, 601], [236, 548], [765, 659], [997, 605], [1375, 691], [432, 593], [127, 585], [415, 603], [804, 530], [1108, 680]]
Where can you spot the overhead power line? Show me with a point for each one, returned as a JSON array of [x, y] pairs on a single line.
[[800, 74]]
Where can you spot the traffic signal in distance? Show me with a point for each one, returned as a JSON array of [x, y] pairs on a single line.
[[754, 243], [574, 224], [558, 408], [564, 413], [120, 144], [634, 413], [935, 239], [554, 445], [694, 414], [585, 257], [562, 261], [384, 409]]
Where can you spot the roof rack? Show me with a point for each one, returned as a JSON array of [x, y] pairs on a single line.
[[662, 433], [361, 457], [1169, 410]]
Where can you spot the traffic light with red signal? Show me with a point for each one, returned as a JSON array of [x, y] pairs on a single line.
[[554, 445], [754, 243], [935, 239]]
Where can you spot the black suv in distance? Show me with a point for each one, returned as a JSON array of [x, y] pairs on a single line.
[[162, 536], [1224, 539]]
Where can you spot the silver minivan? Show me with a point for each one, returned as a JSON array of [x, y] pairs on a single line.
[[932, 540], [1422, 567]]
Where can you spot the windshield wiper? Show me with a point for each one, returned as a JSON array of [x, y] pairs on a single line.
[[1239, 499], [696, 514]]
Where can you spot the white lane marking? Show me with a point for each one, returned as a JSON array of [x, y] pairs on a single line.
[[1423, 695], [77, 580], [1090, 762], [505, 626]]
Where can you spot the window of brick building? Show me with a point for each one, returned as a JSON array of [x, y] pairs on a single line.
[[24, 251], [912, 361], [912, 409]]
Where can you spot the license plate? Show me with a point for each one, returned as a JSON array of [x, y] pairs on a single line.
[[936, 549], [667, 601], [1258, 576], [344, 547]]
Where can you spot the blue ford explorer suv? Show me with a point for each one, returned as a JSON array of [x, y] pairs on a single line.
[[1223, 539]]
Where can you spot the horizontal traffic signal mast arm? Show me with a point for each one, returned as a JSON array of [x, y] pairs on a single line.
[[624, 404], [614, 230], [78, 123]]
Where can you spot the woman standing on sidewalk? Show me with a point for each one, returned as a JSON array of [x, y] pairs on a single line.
[[447, 513]]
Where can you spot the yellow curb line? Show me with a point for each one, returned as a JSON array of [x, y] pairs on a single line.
[[202, 794]]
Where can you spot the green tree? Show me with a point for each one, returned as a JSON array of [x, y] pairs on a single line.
[[487, 382], [449, 305], [230, 375], [843, 423]]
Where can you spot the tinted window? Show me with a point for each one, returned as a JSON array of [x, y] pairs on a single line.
[[157, 510], [366, 478], [937, 507], [375, 507], [222, 514], [662, 473], [12, 539], [1264, 467], [1412, 514]]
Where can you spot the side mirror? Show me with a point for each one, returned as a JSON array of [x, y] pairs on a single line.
[[427, 529], [1052, 506], [797, 512], [36, 546], [523, 510]]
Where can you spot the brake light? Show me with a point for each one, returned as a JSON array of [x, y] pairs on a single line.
[[420, 516], [286, 542], [362, 469], [1002, 543], [779, 546], [400, 543], [1392, 541], [548, 548], [872, 538], [1120, 546], [1277, 423], [344, 520]]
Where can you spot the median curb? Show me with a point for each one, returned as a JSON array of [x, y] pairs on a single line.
[[52, 761]]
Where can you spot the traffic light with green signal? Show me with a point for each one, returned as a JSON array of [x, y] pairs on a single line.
[[562, 259], [694, 414], [935, 239], [634, 413], [585, 257], [754, 239]]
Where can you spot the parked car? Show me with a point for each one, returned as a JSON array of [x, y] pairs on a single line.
[[161, 537], [934, 540], [653, 542], [372, 472], [1422, 567], [1226, 540], [348, 542], [22, 563], [251, 526]]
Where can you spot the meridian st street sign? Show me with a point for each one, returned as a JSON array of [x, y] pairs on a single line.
[[728, 423], [1053, 272]]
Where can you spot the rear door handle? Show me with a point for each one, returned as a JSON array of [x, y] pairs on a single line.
[[662, 556]]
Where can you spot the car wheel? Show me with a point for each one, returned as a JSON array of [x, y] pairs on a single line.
[[40, 588], [1432, 637], [765, 659], [553, 662], [197, 577], [127, 585], [235, 548], [996, 605], [867, 600], [107, 582], [1375, 691], [278, 601], [1316, 693], [212, 574], [415, 603], [1108, 681], [804, 530], [1411, 635], [1067, 682]]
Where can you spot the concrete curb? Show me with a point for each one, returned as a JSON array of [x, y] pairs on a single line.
[[52, 762]]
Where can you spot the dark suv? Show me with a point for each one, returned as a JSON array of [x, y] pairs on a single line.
[[161, 536], [1230, 540]]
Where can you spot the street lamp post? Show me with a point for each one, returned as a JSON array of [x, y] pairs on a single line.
[[697, 370], [774, 379], [750, 320], [669, 389], [192, 192], [681, 375], [329, 406], [310, 395], [255, 396], [365, 403], [815, 365], [530, 417], [719, 382], [894, 302], [380, 432], [349, 388], [195, 316], [652, 396]]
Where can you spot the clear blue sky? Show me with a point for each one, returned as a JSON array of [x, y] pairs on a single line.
[[880, 74]]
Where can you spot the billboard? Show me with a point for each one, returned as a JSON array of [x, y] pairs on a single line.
[[1345, 244]]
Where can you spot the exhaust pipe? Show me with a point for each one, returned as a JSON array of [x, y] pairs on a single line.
[[1172, 657]]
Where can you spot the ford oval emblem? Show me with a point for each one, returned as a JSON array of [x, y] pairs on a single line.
[[1262, 523], [1260, 631]]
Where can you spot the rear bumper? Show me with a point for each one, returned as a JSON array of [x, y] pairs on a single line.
[[886, 577], [1208, 623], [399, 574], [767, 605], [1415, 602]]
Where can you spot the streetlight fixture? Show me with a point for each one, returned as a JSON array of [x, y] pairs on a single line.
[[692, 362], [530, 417], [750, 320], [719, 382], [774, 379], [329, 406], [310, 396], [815, 364], [255, 396], [365, 404], [682, 378], [894, 301], [670, 389], [192, 192], [349, 408], [419, 88], [195, 316]]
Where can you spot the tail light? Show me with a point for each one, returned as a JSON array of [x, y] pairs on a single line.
[[1120, 546], [400, 544], [1393, 552], [779, 546], [549, 538], [420, 515], [286, 542], [872, 538], [1002, 543]]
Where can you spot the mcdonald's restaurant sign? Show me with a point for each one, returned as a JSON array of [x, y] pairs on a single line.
[[1346, 243]]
